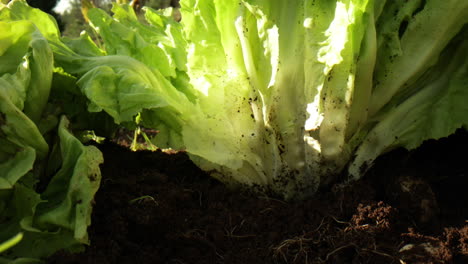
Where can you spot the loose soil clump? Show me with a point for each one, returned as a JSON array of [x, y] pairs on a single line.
[[156, 207]]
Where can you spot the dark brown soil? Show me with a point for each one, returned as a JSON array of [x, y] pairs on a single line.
[[156, 207]]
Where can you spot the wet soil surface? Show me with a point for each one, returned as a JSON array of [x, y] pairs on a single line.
[[156, 207]]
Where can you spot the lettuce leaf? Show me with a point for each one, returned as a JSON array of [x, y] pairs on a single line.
[[48, 178], [277, 96]]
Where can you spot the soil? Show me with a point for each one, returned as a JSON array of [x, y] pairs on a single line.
[[156, 207]]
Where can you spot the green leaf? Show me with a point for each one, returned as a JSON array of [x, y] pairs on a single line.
[[405, 53], [13, 169], [11, 242], [25, 80], [18, 10], [436, 109], [59, 217]]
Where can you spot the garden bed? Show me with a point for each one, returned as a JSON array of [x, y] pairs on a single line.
[[156, 207]]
